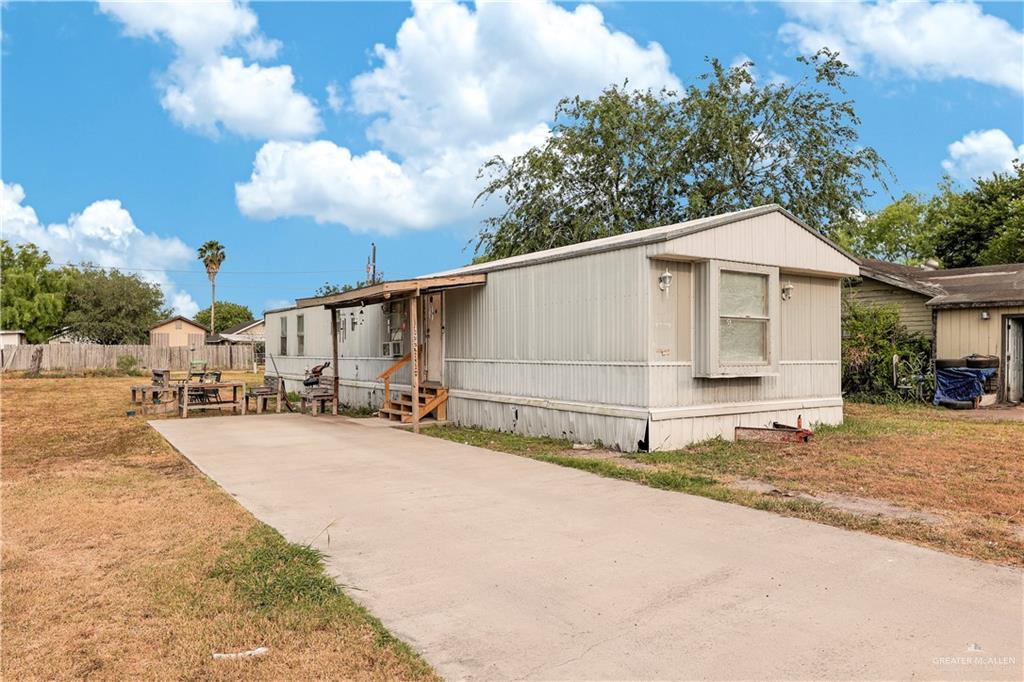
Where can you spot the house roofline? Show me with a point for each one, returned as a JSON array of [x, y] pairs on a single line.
[[651, 235], [172, 318]]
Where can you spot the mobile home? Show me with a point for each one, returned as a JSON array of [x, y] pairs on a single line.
[[649, 340]]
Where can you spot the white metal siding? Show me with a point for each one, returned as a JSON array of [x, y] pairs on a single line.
[[572, 330], [317, 325]]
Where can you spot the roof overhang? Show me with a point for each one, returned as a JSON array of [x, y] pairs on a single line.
[[899, 282], [954, 301], [377, 293]]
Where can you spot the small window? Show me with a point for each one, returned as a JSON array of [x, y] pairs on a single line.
[[743, 317], [300, 334], [736, 319], [284, 335], [177, 324]]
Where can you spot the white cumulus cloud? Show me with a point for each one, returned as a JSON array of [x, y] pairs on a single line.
[[919, 39], [334, 99], [370, 192], [980, 153], [208, 89], [103, 234], [459, 85]]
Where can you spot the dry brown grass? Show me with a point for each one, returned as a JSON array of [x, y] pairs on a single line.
[[110, 544]]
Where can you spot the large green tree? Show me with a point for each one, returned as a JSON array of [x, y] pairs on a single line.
[[111, 307], [228, 315], [983, 225], [902, 232], [31, 292], [630, 160]]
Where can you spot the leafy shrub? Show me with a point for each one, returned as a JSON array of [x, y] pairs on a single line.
[[872, 335], [129, 364]]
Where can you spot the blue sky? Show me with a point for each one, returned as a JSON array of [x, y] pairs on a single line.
[[133, 133]]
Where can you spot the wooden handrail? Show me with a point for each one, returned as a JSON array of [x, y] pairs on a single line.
[[386, 375]]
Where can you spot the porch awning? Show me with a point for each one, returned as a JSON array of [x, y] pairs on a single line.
[[385, 291]]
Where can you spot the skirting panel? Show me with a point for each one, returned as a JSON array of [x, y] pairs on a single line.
[[622, 433], [672, 434]]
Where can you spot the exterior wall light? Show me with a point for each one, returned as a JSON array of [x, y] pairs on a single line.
[[985, 315], [665, 280], [787, 291]]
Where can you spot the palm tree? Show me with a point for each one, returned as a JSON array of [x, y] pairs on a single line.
[[212, 255]]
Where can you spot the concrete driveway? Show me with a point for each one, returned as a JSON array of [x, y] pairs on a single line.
[[499, 567]]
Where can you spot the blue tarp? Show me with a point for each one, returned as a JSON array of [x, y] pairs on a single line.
[[960, 383]]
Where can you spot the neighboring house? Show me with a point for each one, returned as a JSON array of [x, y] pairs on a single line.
[[883, 283], [964, 311], [244, 332], [648, 340], [178, 331], [11, 337]]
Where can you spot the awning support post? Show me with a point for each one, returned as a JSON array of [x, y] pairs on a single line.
[[334, 360], [414, 333]]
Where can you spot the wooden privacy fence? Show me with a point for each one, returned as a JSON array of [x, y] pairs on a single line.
[[75, 356]]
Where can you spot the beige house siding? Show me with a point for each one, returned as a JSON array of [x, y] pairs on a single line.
[[811, 319], [176, 333], [961, 331], [672, 313], [771, 239], [913, 312], [809, 341]]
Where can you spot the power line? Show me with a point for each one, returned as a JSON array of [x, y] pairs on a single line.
[[220, 272]]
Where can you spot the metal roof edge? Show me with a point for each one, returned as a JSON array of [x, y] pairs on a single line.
[[639, 238]]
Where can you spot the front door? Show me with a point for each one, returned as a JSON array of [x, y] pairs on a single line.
[[1013, 362], [433, 337]]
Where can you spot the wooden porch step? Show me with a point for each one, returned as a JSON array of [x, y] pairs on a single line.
[[431, 401]]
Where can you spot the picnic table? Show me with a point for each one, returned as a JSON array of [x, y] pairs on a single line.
[[207, 395]]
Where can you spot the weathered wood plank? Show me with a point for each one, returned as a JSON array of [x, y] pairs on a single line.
[[82, 356]]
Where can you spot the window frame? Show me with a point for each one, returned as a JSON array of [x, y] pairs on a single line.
[[709, 363], [283, 346], [300, 335]]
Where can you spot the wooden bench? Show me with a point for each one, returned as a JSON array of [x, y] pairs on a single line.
[[272, 388], [317, 398]]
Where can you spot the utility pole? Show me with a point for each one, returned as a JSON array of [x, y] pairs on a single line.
[[371, 264]]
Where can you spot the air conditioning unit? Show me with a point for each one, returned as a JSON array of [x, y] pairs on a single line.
[[392, 349]]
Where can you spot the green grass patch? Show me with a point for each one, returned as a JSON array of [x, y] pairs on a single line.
[[498, 440], [285, 580], [663, 479]]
